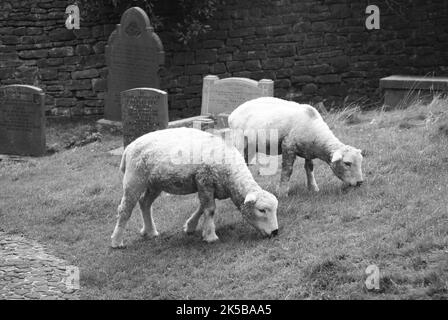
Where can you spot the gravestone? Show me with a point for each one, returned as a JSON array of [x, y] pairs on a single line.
[[144, 110], [402, 91], [134, 55], [222, 96], [22, 120]]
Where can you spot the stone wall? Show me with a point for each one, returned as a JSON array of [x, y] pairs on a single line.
[[314, 50], [69, 65]]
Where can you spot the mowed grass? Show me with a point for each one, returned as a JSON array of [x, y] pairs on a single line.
[[398, 220]]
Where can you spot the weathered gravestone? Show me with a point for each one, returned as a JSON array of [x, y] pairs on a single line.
[[134, 56], [144, 110], [222, 96], [402, 91], [22, 120]]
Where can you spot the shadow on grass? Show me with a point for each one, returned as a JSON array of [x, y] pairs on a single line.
[[236, 234]]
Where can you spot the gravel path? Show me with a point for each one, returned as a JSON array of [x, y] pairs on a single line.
[[28, 272]]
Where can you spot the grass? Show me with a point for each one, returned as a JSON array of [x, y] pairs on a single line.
[[397, 220]]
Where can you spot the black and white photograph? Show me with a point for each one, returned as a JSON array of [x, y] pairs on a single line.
[[225, 155]]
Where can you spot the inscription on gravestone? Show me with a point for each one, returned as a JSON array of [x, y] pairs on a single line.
[[22, 120], [225, 95], [144, 110], [134, 56]]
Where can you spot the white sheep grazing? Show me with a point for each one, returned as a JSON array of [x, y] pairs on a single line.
[[301, 132], [183, 161]]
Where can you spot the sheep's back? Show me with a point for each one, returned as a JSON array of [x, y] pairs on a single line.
[[273, 113], [173, 158]]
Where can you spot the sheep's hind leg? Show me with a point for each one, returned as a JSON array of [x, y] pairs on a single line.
[[133, 187], [311, 181], [145, 202], [192, 222], [127, 204], [249, 158]]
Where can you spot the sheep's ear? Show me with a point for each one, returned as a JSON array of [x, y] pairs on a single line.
[[336, 156], [248, 206], [251, 197]]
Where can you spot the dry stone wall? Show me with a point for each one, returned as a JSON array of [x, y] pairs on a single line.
[[314, 50], [69, 65]]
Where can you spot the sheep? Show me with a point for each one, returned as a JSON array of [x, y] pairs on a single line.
[[183, 161], [301, 132]]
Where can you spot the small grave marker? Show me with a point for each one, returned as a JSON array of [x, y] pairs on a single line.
[[203, 124]]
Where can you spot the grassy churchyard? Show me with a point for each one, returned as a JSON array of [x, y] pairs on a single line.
[[398, 219]]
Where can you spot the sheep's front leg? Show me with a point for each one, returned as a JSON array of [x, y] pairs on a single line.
[[288, 158], [192, 222], [208, 229], [311, 181], [145, 202], [207, 199]]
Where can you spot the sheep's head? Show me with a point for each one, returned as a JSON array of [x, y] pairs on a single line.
[[260, 210], [346, 164]]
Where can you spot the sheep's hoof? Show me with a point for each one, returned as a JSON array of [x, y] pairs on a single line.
[[313, 188], [210, 238], [116, 245], [189, 230], [145, 234]]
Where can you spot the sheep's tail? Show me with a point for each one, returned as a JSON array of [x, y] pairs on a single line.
[[123, 162]]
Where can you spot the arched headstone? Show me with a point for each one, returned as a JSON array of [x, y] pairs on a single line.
[[134, 55]]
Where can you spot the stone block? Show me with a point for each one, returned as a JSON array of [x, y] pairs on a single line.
[[85, 74]]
